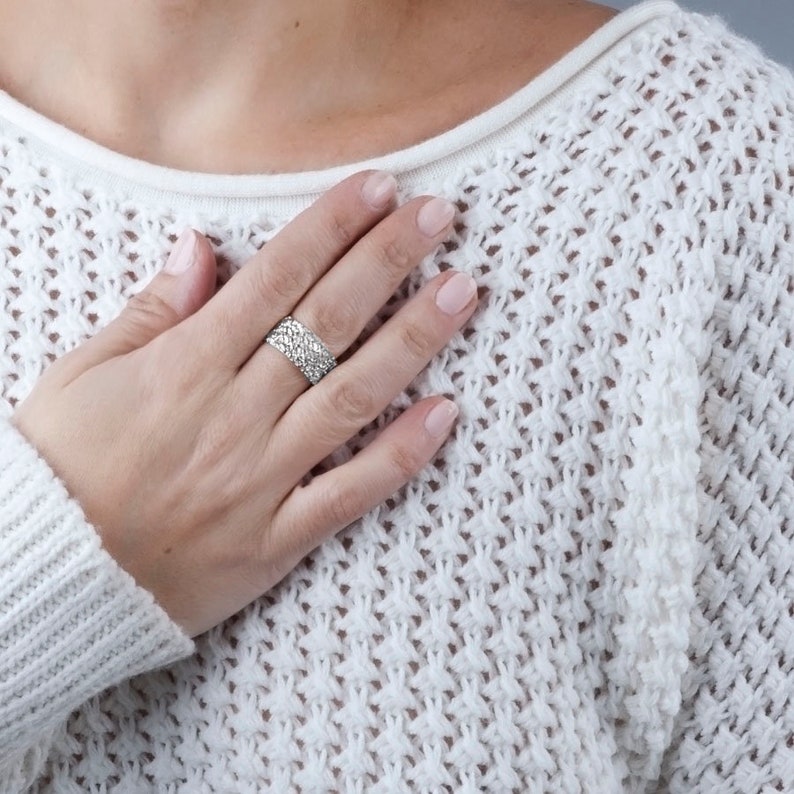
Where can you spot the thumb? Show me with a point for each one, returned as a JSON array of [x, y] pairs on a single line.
[[184, 285]]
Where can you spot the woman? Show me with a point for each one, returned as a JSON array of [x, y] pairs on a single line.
[[587, 588]]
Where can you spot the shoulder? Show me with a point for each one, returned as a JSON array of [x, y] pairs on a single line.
[[693, 68], [683, 100]]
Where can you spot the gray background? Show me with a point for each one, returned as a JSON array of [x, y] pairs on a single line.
[[770, 23]]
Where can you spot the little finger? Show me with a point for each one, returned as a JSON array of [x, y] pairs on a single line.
[[314, 512]]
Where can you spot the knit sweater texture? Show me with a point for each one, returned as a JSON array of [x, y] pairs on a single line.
[[591, 587]]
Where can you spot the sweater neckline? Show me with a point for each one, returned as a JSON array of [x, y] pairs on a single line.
[[413, 165]]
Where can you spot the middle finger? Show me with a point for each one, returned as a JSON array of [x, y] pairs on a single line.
[[340, 305]]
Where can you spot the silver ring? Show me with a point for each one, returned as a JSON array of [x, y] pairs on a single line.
[[303, 348]]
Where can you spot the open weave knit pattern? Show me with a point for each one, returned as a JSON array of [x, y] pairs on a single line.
[[591, 586]]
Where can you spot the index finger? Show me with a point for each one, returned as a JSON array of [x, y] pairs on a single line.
[[233, 324]]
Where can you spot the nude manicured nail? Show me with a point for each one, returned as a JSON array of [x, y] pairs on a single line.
[[183, 254], [435, 216], [440, 418], [456, 293], [379, 189]]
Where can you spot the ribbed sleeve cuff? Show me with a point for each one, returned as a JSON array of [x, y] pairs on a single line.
[[72, 622]]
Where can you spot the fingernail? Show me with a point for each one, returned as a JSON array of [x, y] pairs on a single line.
[[183, 254], [440, 418], [379, 189], [456, 293], [435, 216]]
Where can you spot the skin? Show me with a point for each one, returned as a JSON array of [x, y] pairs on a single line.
[[277, 85], [185, 440], [195, 485]]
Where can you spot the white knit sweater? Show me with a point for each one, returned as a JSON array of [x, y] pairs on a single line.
[[592, 586]]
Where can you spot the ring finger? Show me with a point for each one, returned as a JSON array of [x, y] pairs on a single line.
[[358, 390], [340, 304]]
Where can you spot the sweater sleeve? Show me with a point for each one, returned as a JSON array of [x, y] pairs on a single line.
[[735, 732], [72, 622]]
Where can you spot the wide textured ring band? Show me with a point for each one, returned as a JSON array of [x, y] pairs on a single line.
[[303, 348]]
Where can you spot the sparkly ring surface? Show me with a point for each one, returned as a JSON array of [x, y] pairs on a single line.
[[303, 348]]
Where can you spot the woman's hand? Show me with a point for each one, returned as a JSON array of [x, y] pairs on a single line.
[[185, 439]]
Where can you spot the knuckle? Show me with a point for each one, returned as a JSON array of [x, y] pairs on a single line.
[[344, 505], [395, 258], [342, 230], [281, 280], [352, 400], [405, 462], [147, 308], [416, 340], [334, 322]]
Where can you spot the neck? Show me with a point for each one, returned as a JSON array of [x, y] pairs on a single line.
[[163, 54], [202, 82]]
